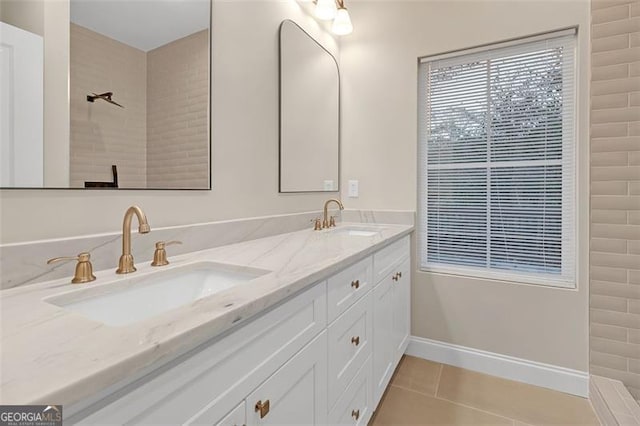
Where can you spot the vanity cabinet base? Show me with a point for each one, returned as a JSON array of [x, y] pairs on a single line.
[[323, 357]]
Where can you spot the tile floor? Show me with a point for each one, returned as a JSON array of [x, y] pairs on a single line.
[[428, 393]]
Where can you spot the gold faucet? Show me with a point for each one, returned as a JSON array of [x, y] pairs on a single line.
[[125, 265], [326, 222]]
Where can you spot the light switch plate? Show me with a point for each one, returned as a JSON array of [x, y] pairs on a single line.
[[353, 188]]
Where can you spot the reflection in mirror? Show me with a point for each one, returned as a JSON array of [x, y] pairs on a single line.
[[309, 113], [21, 107], [139, 77]]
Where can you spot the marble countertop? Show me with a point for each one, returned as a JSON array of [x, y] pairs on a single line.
[[55, 356]]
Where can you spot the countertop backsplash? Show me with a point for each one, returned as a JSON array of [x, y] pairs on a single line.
[[25, 263]]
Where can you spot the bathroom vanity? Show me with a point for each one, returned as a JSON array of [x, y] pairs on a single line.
[[314, 339]]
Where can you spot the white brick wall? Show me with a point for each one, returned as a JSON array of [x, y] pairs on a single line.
[[160, 139], [103, 134], [177, 107]]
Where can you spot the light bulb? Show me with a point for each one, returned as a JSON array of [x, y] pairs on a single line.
[[342, 24], [326, 9]]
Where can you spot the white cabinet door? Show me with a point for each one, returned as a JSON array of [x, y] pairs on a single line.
[[391, 324], [21, 108], [237, 416], [383, 346], [296, 394], [401, 310]]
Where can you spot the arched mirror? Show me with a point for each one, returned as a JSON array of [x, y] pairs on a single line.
[[309, 113]]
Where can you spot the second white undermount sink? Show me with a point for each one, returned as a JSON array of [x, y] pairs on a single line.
[[358, 231], [124, 302]]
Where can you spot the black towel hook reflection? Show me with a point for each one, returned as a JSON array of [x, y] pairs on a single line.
[[106, 96]]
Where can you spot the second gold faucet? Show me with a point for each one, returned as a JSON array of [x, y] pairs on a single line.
[[126, 265], [327, 221]]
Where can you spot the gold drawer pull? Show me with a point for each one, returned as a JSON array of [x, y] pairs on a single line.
[[399, 274], [355, 414], [395, 277], [355, 340], [355, 284], [263, 408]]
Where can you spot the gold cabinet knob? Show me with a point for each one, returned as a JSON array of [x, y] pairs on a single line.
[[160, 255], [355, 284], [84, 269], [262, 408], [355, 340], [396, 276], [355, 414]]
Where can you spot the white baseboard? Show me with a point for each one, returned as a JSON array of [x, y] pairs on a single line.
[[522, 370]]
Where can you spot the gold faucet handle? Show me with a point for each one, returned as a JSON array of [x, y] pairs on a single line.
[[332, 221], [163, 244], [160, 255], [84, 269], [317, 224]]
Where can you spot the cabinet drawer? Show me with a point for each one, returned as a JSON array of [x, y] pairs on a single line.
[[349, 345], [389, 257], [237, 416], [355, 406], [346, 287], [203, 386]]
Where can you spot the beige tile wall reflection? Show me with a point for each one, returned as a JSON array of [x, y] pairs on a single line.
[[615, 191], [103, 134], [160, 139], [177, 113]]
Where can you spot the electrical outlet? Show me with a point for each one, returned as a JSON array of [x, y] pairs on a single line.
[[353, 188]]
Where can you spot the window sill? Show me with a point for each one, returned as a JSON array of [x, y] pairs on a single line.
[[502, 277]]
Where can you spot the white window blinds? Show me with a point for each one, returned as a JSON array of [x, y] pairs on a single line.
[[497, 162]]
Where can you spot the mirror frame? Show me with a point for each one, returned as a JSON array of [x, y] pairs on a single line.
[[209, 131], [280, 191]]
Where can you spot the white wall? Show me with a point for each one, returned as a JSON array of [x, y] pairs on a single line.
[[244, 142], [379, 147], [25, 14], [56, 94]]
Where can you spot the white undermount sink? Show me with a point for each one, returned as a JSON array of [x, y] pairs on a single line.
[[126, 301], [358, 231]]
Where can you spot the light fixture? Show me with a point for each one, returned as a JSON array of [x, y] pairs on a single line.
[[327, 10], [342, 24]]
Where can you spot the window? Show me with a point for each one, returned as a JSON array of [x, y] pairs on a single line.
[[497, 161]]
